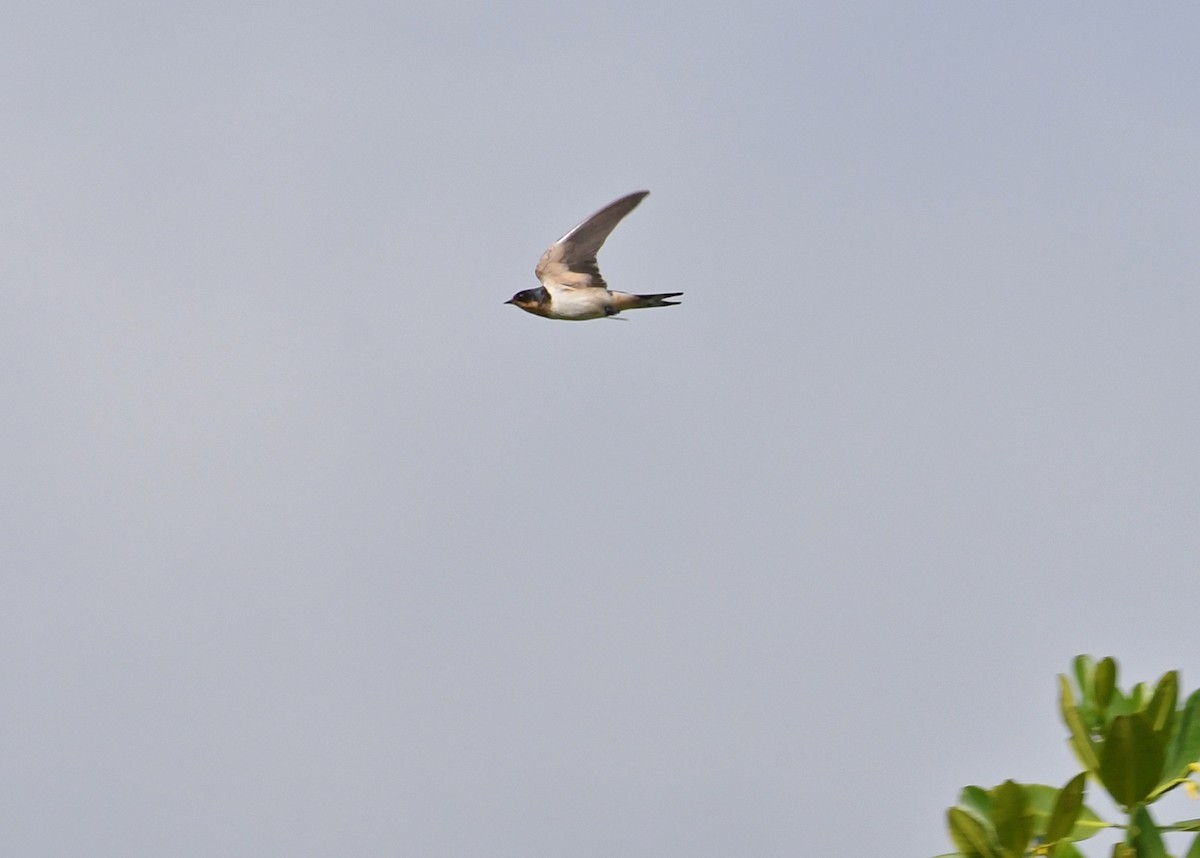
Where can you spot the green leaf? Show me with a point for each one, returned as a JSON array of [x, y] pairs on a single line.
[[1081, 740], [970, 836], [1184, 747], [1145, 836], [1161, 709], [1184, 825], [1010, 815], [1194, 852], [1119, 705], [1067, 806], [1131, 759], [1085, 676], [1085, 669], [1067, 849], [1041, 804], [1088, 825], [977, 801], [1137, 695], [1105, 680], [1124, 850]]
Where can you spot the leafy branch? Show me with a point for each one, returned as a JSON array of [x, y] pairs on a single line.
[[1138, 745]]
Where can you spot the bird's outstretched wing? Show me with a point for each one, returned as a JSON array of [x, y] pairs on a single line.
[[570, 263]]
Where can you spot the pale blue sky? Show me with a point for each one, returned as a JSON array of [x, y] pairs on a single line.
[[314, 548]]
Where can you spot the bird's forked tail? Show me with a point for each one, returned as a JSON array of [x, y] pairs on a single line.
[[625, 301]]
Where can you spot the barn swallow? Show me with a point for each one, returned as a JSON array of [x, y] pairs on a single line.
[[572, 287]]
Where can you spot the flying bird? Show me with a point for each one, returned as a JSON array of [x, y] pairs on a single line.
[[572, 287]]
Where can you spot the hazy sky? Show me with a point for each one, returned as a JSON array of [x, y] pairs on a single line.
[[311, 547]]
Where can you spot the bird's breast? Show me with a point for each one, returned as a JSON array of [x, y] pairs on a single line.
[[580, 304]]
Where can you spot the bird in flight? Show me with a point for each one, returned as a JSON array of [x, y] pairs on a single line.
[[572, 287]]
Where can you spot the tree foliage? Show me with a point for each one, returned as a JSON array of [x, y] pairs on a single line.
[[1137, 745]]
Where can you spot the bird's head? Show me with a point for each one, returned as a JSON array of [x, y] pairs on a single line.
[[536, 301]]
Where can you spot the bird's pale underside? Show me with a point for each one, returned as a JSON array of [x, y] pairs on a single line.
[[572, 287]]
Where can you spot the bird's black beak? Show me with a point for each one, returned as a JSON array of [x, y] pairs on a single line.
[[509, 301]]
